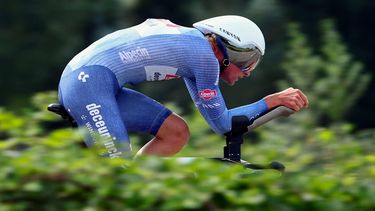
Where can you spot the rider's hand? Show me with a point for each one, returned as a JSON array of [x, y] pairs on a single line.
[[291, 98]]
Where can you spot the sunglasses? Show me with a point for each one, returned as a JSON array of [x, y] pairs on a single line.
[[246, 59]]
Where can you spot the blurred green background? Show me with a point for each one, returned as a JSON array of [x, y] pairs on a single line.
[[322, 47]]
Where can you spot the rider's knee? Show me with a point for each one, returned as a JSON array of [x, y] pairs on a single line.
[[175, 128], [181, 131]]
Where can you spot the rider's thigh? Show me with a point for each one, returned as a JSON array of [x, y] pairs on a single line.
[[88, 94], [141, 113]]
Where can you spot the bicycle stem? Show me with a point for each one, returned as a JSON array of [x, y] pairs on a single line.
[[242, 125]]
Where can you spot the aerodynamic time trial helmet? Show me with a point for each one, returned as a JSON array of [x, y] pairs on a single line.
[[243, 40]]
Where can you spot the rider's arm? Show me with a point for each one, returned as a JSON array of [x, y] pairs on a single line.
[[204, 89], [291, 98], [212, 106]]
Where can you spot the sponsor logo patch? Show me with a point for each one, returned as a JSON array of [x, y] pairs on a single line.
[[212, 106], [170, 77], [207, 94], [159, 73], [160, 77], [83, 76]]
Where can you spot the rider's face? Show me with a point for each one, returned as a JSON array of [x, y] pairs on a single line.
[[232, 74]]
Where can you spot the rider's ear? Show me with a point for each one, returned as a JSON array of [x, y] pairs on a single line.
[[212, 40], [216, 50]]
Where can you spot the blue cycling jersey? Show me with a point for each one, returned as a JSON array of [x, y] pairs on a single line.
[[161, 50]]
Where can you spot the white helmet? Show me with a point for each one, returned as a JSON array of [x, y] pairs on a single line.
[[242, 38]]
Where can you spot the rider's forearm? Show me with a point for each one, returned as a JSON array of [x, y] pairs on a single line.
[[251, 111], [222, 123], [271, 101]]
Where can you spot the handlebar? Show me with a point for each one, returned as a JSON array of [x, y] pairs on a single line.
[[280, 111], [242, 125]]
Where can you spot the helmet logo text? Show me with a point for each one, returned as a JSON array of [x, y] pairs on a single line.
[[230, 34]]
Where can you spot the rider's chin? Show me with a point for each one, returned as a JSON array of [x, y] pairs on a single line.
[[233, 82]]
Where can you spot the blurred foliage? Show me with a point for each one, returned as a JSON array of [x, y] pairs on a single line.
[[327, 74], [328, 168]]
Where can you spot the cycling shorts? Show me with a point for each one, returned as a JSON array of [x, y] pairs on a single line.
[[107, 111]]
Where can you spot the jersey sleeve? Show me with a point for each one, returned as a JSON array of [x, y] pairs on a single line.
[[211, 105], [205, 92], [216, 113]]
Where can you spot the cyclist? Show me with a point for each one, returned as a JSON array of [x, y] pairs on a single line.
[[227, 47]]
